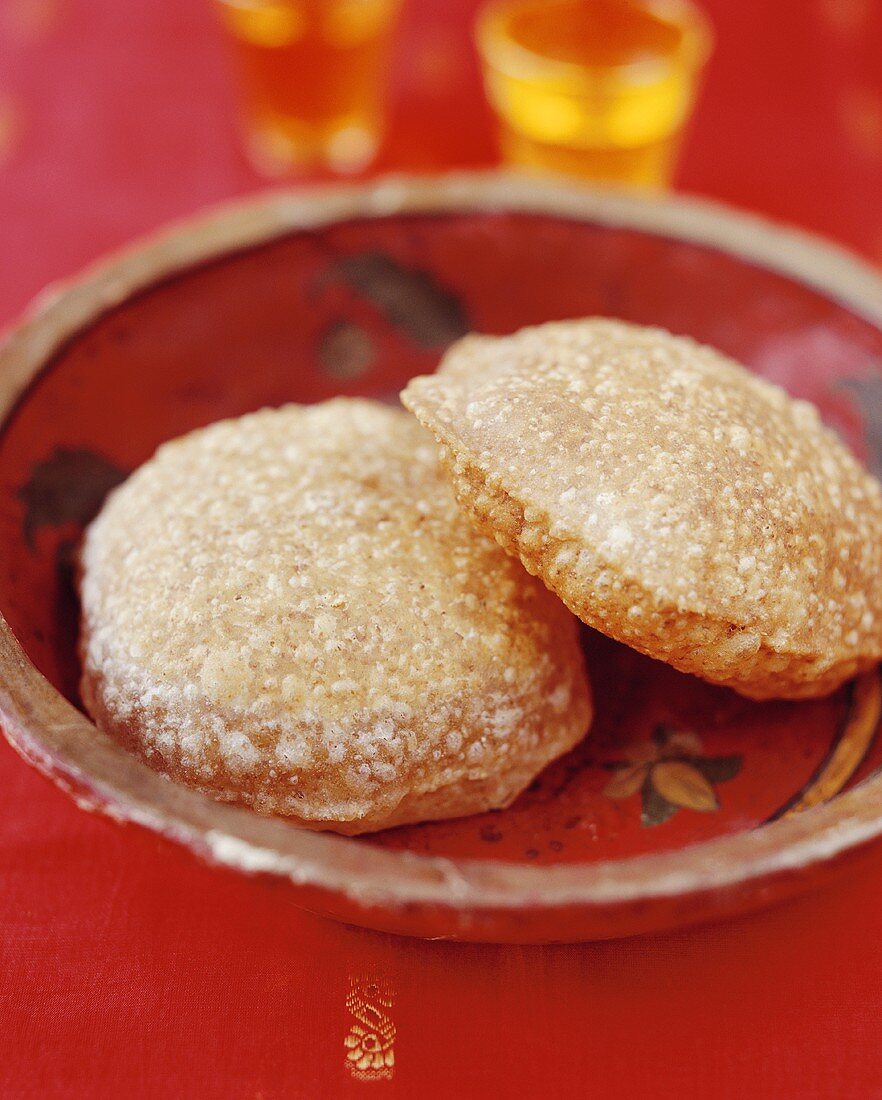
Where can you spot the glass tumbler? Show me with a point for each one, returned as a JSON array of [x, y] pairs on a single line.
[[313, 75], [596, 88]]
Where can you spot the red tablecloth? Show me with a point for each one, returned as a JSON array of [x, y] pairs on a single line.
[[128, 969]]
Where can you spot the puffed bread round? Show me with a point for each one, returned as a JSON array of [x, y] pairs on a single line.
[[288, 610], [672, 499]]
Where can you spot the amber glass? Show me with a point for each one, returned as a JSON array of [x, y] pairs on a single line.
[[313, 75], [596, 88]]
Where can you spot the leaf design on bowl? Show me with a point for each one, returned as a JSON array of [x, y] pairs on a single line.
[[67, 487], [409, 299], [671, 773]]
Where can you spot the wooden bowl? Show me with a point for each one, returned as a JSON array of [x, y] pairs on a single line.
[[686, 802]]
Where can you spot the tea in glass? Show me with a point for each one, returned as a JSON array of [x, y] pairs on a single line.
[[313, 75], [597, 88]]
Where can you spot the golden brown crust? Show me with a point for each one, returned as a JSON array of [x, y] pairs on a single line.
[[673, 500], [289, 611]]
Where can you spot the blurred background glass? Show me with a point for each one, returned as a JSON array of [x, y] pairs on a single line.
[[599, 88], [313, 79]]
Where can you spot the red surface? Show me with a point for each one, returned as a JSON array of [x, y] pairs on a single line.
[[128, 969]]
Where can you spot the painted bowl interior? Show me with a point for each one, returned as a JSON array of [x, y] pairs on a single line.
[[359, 306]]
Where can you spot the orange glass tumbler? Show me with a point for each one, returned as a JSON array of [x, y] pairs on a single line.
[[596, 88], [313, 75]]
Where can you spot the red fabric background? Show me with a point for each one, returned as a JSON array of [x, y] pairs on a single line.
[[126, 968]]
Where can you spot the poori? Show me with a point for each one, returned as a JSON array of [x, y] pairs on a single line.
[[673, 500], [288, 610]]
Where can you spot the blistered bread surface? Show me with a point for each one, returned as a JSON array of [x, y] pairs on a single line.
[[289, 610], [674, 500]]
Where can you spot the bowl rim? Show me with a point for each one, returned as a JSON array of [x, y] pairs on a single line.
[[61, 742]]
